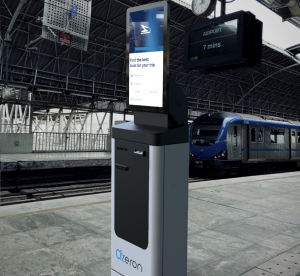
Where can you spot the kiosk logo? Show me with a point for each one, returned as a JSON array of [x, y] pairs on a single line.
[[120, 256], [146, 30]]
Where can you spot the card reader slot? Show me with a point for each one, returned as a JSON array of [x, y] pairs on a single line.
[[122, 167], [139, 152]]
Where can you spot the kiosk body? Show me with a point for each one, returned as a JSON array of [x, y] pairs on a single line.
[[150, 156], [149, 200]]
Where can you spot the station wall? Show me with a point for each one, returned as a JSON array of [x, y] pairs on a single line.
[[16, 143]]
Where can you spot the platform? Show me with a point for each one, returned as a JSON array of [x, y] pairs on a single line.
[[35, 161], [242, 226]]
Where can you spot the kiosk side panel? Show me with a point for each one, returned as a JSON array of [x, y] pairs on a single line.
[[132, 192], [175, 209]]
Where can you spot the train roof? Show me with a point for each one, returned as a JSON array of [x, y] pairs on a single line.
[[267, 118], [255, 118]]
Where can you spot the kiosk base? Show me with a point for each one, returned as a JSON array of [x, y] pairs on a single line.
[[149, 209]]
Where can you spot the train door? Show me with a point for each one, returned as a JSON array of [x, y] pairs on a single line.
[[261, 143], [236, 142], [293, 143], [244, 143], [253, 142]]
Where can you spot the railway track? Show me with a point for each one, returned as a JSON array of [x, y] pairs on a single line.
[[54, 192], [27, 189], [60, 190]]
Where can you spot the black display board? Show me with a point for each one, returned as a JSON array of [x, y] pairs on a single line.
[[214, 41], [226, 42]]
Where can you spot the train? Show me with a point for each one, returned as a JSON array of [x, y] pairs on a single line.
[[227, 143]]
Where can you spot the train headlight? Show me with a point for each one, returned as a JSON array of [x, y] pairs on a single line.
[[222, 155]]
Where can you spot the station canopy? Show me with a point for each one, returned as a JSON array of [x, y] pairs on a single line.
[[52, 75]]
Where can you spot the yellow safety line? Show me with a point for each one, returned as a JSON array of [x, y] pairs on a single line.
[[54, 209]]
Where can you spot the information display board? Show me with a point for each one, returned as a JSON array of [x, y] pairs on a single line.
[[213, 41], [227, 42], [147, 60]]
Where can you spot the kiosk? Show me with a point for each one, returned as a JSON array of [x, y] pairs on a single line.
[[150, 156]]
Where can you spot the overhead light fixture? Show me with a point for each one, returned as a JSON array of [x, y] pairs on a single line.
[[293, 6], [106, 98], [81, 95], [18, 86], [50, 91]]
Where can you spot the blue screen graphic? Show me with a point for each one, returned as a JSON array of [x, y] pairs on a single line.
[[147, 30]]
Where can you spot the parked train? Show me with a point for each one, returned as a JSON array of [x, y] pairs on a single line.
[[230, 143]]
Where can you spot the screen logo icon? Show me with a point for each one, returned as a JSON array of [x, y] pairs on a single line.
[[146, 30]]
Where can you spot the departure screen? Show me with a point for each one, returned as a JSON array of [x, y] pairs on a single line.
[[146, 55], [215, 41]]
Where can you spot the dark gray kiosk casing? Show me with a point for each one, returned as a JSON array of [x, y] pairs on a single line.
[[149, 197], [150, 159]]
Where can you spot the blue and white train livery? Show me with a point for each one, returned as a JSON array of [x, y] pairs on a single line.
[[223, 143]]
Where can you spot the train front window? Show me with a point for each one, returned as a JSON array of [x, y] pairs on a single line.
[[206, 131], [298, 137]]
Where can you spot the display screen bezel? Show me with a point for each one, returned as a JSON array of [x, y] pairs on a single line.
[[223, 59], [166, 50]]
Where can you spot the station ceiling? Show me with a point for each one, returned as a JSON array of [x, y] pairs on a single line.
[[282, 10], [52, 72]]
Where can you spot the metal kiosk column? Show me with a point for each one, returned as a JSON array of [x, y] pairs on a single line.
[[150, 156]]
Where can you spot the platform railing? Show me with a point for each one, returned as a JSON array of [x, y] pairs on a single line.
[[60, 142]]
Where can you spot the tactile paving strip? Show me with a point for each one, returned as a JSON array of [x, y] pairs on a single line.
[[258, 272], [286, 264]]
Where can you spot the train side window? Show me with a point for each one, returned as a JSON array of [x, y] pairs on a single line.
[[280, 136], [298, 137], [253, 135], [273, 136], [293, 137], [260, 135], [235, 142]]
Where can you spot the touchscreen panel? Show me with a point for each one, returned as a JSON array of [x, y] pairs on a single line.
[[146, 55]]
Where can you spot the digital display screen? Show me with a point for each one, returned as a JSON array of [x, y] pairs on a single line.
[[214, 41], [146, 57]]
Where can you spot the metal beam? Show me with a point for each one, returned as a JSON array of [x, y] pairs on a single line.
[[13, 20], [247, 93], [66, 128]]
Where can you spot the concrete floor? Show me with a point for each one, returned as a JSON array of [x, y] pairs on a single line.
[[242, 226]]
